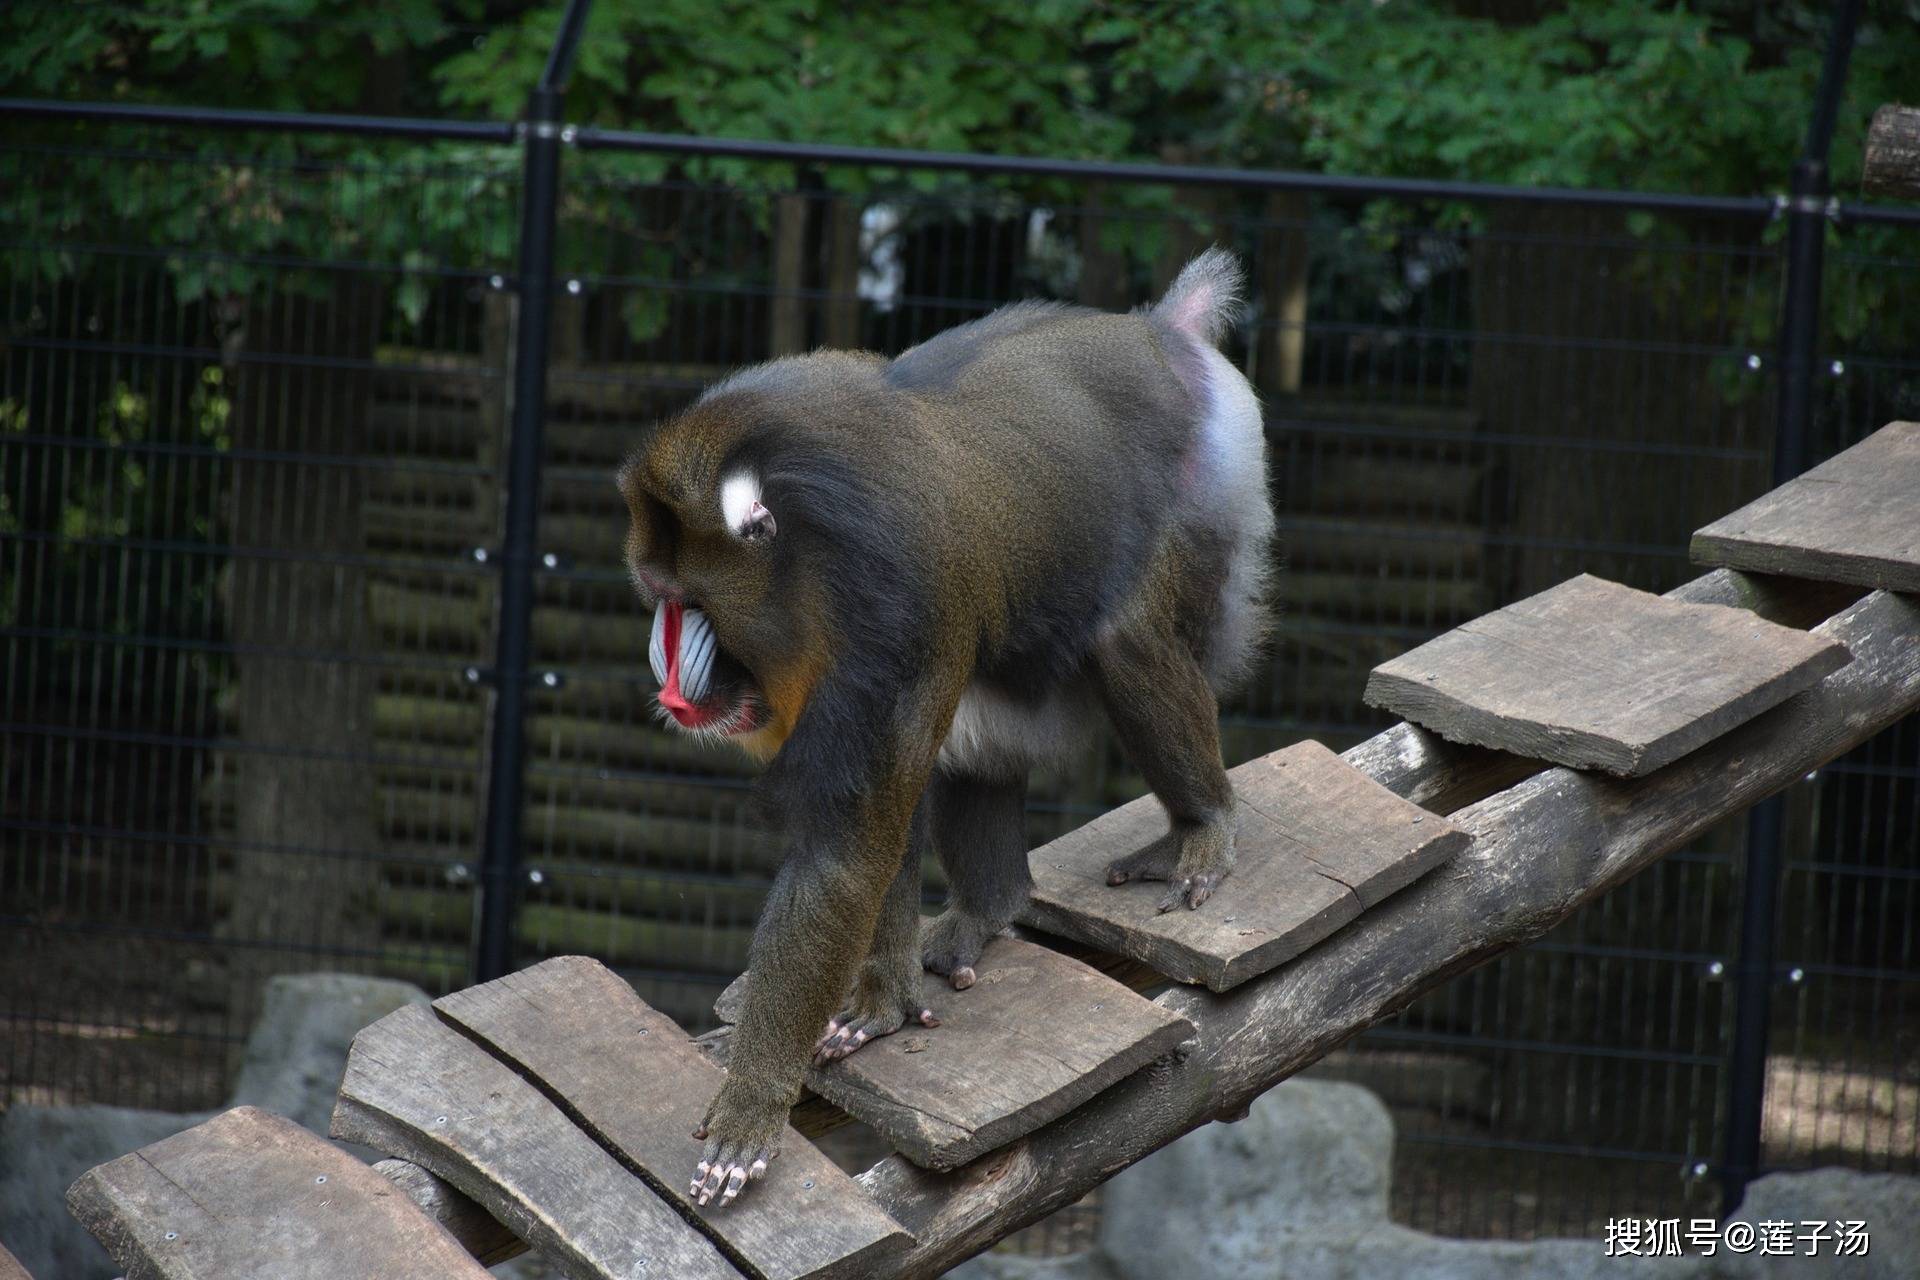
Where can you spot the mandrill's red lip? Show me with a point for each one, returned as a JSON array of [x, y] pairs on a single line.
[[688, 716], [740, 715], [730, 719]]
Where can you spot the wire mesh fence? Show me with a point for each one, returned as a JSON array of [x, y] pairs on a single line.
[[255, 401]]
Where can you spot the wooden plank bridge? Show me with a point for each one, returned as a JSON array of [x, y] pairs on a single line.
[[1551, 750]]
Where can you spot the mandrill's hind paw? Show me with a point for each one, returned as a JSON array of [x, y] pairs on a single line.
[[951, 946], [859, 1023], [741, 1138], [1193, 860]]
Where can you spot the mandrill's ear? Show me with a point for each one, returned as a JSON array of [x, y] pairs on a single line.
[[746, 516]]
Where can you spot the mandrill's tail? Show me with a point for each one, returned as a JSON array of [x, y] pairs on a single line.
[[1204, 303]]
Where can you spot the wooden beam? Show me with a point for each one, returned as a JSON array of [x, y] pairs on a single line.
[[1851, 519], [1593, 674], [1443, 776], [473, 1227], [1319, 842], [1046, 1030], [1892, 165], [1541, 850], [578, 1031], [417, 1089], [250, 1193]]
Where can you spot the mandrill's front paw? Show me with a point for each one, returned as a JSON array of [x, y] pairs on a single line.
[[742, 1136], [1192, 859]]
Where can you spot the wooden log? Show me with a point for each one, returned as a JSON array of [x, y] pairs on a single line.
[[1541, 850], [580, 1032], [1591, 674], [1285, 255], [249, 1193], [1036, 1036], [1855, 518], [1319, 843], [417, 1089], [1892, 166], [471, 1226], [786, 305], [844, 260]]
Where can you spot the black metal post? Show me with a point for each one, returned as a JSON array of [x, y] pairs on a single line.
[[500, 867], [1807, 211]]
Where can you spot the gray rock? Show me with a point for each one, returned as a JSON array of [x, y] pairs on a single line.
[[297, 1051], [1888, 1203], [42, 1150], [1299, 1191], [292, 1064], [1092, 1265]]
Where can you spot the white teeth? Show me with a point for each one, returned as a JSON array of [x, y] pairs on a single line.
[[697, 650]]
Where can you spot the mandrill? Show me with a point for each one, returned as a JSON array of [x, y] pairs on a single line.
[[904, 583]]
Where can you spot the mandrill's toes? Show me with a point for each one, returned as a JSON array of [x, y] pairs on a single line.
[[1200, 890], [1189, 891], [926, 1018], [962, 977]]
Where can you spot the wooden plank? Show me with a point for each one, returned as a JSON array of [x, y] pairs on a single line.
[[10, 1268], [1319, 842], [1591, 674], [250, 1193], [1855, 518], [417, 1089], [458, 1215], [1035, 1037], [579, 1031]]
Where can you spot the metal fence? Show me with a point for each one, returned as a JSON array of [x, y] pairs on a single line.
[[318, 652]]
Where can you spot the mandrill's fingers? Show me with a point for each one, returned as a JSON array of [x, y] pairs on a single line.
[[926, 1018], [736, 1179]]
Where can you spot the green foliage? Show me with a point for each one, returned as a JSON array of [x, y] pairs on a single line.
[[1698, 95]]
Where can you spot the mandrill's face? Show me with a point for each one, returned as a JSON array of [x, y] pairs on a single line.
[[704, 551]]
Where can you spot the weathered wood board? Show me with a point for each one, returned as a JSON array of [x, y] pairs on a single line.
[[456, 1212], [629, 1075], [1033, 1038], [1318, 843], [417, 1089], [1594, 675], [1855, 518], [249, 1193], [10, 1268]]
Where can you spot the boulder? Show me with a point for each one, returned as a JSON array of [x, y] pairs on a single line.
[[292, 1064], [1888, 1203]]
